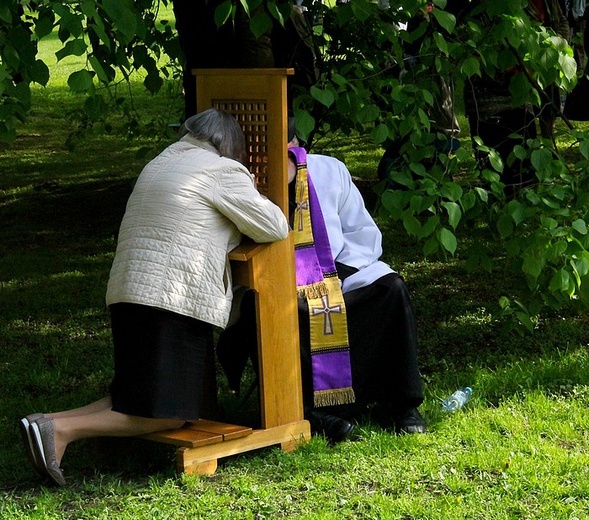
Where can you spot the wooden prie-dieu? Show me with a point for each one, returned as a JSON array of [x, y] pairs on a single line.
[[257, 99]]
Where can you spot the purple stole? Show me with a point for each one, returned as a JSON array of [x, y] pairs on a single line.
[[317, 282]]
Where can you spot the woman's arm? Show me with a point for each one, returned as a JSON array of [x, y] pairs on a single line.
[[254, 215]]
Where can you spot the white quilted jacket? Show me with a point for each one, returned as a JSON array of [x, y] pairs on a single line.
[[188, 209]]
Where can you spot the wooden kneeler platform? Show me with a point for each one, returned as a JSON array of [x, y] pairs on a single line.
[[201, 443], [257, 100]]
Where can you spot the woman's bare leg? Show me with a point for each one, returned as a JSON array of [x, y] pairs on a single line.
[[103, 422], [96, 406]]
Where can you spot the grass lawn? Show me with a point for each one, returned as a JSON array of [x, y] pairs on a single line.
[[519, 449]]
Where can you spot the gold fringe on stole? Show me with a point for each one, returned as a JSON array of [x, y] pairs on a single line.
[[334, 397], [312, 291]]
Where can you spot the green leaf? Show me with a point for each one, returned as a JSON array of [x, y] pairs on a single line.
[[519, 87], [555, 251], [516, 209], [428, 97], [496, 161], [568, 66], [504, 302], [451, 191], [447, 239], [393, 202], [338, 79], [424, 118], [445, 19], [75, 47], [260, 24], [22, 92], [541, 161], [584, 148], [550, 203], [532, 265], [272, 7], [471, 67], [305, 123], [549, 222], [417, 168], [441, 43], [95, 107], [520, 152], [580, 226], [412, 225], [430, 247], [418, 203], [368, 113], [454, 213], [468, 201], [101, 33], [361, 9], [482, 193], [324, 96], [582, 264], [5, 14], [80, 81], [246, 7], [123, 18], [560, 281], [279, 10], [407, 126], [505, 226], [153, 81], [70, 25], [525, 320], [39, 73], [558, 192], [402, 177], [89, 8], [430, 226], [7, 134], [44, 23], [380, 133], [222, 13]]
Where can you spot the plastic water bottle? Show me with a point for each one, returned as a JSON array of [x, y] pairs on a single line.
[[457, 399]]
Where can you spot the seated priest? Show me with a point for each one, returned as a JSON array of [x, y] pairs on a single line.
[[357, 327]]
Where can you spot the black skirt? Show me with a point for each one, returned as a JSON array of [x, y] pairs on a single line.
[[159, 362]]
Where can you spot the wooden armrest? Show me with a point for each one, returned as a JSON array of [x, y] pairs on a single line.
[[244, 251]]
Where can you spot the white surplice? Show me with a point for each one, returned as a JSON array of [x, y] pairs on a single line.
[[354, 238]]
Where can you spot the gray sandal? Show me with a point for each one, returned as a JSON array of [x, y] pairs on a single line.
[[43, 437], [24, 425]]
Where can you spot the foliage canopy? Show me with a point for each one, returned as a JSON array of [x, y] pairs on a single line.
[[379, 77]]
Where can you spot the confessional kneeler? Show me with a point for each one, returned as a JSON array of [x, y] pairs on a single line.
[[257, 99]]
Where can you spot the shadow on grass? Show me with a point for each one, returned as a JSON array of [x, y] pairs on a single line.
[[53, 217], [56, 245]]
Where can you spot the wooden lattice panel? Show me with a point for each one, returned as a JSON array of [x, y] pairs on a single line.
[[252, 115]]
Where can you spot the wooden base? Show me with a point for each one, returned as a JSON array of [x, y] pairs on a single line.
[[201, 443]]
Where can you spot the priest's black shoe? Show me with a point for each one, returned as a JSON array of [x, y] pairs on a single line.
[[335, 429], [409, 421]]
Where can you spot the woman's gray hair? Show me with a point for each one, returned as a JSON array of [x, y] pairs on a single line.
[[220, 129]]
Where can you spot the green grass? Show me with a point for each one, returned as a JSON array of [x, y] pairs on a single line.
[[520, 449]]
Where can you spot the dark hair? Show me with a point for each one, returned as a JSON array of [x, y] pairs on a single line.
[[291, 128], [219, 129]]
